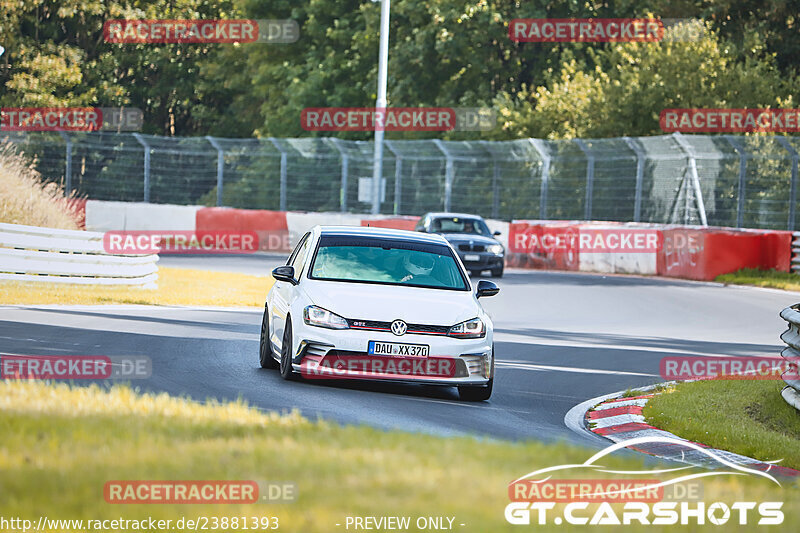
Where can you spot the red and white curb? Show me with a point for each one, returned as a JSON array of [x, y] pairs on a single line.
[[619, 419]]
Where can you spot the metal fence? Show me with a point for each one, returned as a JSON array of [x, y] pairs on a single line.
[[726, 180]]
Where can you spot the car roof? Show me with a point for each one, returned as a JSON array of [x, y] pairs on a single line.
[[382, 233], [452, 215]]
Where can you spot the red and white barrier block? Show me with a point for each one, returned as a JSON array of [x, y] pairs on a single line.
[[690, 252]]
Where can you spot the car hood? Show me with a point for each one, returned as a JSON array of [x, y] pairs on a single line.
[[458, 238], [385, 303]]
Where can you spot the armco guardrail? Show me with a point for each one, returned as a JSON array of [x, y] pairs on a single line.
[[29, 253], [791, 392]]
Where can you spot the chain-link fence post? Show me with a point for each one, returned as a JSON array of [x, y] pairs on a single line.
[[284, 163], [689, 151], [345, 171], [220, 167], [146, 146], [544, 153], [67, 163], [793, 187], [495, 180], [449, 174], [640, 159], [398, 176], [741, 191], [589, 178]]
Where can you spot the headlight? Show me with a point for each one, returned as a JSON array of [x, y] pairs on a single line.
[[496, 249], [317, 316], [471, 329]]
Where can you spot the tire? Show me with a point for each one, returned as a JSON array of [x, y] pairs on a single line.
[[497, 272], [265, 346], [287, 372], [476, 394]]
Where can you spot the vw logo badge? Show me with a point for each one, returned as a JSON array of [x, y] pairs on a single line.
[[399, 327]]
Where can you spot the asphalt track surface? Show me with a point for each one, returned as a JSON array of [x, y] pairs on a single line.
[[561, 338]]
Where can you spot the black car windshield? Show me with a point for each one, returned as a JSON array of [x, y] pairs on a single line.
[[385, 261], [472, 226]]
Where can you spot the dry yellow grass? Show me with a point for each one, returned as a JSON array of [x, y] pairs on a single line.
[[176, 286], [61, 444], [26, 199], [40, 398]]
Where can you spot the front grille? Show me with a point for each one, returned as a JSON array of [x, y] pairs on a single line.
[[473, 248], [420, 329]]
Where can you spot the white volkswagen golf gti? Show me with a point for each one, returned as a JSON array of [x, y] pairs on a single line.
[[379, 304]]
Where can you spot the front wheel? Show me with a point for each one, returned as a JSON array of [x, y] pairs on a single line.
[[497, 272], [265, 346], [287, 372]]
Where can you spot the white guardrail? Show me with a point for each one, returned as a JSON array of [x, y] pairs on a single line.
[[29, 253], [791, 392]]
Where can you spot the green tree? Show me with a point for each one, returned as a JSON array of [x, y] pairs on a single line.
[[628, 84]]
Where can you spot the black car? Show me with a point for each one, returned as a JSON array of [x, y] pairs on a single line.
[[471, 238]]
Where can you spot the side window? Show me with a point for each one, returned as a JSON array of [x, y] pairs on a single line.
[[293, 255], [299, 255]]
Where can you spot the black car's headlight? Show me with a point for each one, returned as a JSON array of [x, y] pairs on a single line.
[[317, 316], [496, 249], [471, 329]]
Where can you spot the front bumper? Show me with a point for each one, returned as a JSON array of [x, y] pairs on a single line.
[[485, 261], [319, 349]]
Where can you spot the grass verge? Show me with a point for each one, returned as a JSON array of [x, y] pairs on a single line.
[[787, 281], [742, 416], [633, 393], [61, 444], [176, 286], [25, 198]]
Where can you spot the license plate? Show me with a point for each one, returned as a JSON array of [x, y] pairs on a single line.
[[396, 348], [470, 257]]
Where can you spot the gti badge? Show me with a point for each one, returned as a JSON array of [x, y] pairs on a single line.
[[399, 327]]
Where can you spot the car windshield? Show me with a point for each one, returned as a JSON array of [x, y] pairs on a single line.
[[385, 261], [473, 226]]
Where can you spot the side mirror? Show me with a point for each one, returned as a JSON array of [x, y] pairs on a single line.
[[486, 288], [497, 233], [285, 273]]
